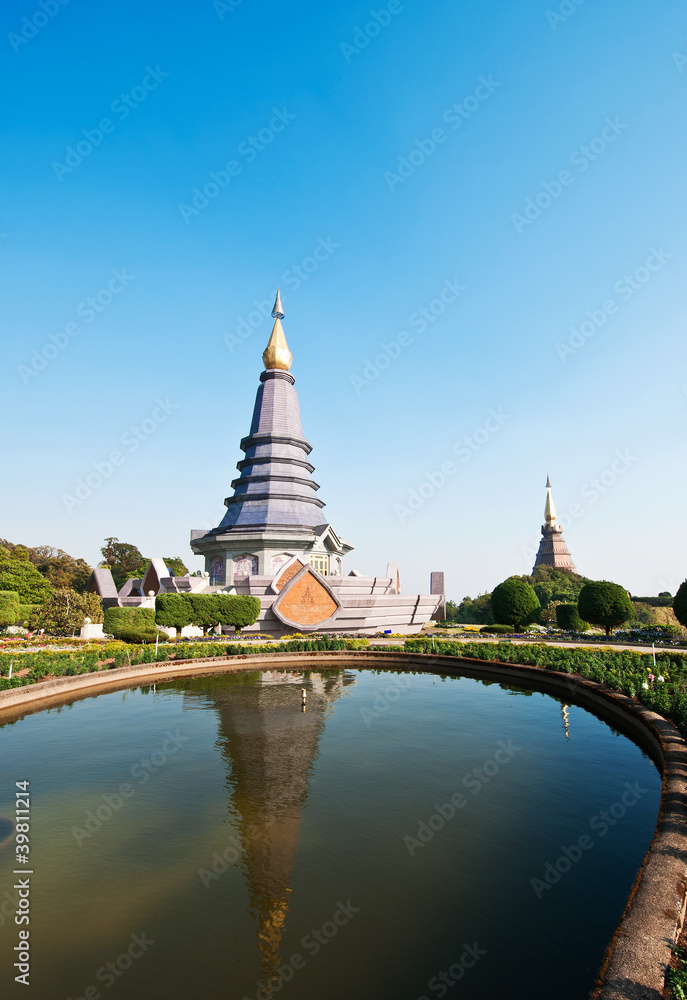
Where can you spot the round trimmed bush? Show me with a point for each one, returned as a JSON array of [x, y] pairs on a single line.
[[515, 603]]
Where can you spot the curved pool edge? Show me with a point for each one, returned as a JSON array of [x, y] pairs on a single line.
[[639, 953]]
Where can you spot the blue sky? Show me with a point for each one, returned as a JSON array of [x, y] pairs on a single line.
[[525, 161]]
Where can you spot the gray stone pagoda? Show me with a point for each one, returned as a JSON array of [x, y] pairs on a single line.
[[274, 512], [552, 549]]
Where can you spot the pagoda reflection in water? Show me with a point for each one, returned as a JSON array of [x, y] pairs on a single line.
[[270, 741]]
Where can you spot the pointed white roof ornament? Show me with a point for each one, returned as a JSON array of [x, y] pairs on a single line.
[[278, 312]]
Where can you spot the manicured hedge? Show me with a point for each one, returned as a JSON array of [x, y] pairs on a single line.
[[117, 620], [568, 618], [206, 610], [137, 635], [293, 646]]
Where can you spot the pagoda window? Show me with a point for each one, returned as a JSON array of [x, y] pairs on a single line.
[[320, 562]]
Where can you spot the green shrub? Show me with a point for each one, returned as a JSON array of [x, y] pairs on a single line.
[[497, 629], [515, 603], [173, 610], [137, 635], [25, 612], [9, 607], [206, 610], [117, 620], [238, 610], [680, 604], [568, 618]]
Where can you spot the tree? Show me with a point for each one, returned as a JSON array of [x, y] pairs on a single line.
[[57, 566], [9, 607], [20, 575], [475, 611], [604, 603], [175, 565], [552, 584], [64, 612], [60, 568], [205, 611], [515, 603], [680, 604], [173, 610], [237, 610], [124, 561], [550, 612]]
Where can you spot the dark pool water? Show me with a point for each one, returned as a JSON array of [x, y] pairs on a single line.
[[391, 842]]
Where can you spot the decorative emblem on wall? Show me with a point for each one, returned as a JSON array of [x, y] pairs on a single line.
[[246, 565], [305, 599]]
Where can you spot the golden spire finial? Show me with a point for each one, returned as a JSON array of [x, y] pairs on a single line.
[[277, 353], [550, 510]]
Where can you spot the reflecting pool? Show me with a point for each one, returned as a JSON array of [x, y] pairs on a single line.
[[394, 837]]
